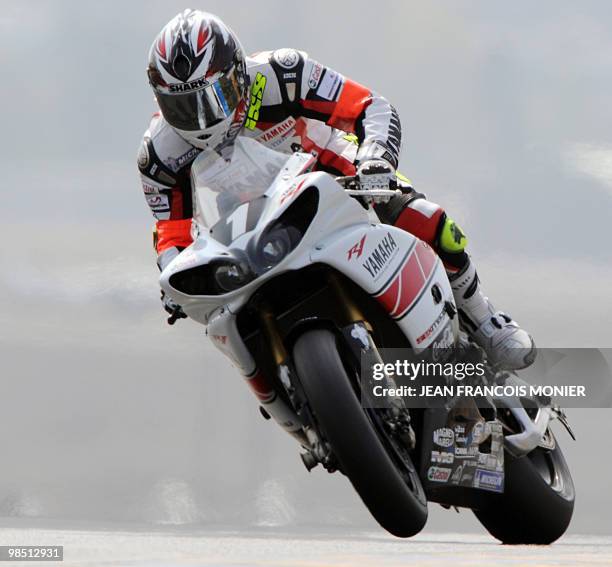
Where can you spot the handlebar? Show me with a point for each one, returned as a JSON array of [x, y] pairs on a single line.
[[353, 187]]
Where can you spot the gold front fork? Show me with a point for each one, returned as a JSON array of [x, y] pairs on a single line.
[[268, 323], [351, 311]]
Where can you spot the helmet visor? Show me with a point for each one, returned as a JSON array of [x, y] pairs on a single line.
[[199, 109]]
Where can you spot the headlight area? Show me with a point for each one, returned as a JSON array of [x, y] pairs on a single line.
[[280, 238], [276, 242], [218, 277]]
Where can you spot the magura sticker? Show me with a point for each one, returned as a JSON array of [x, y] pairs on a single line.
[[443, 437]]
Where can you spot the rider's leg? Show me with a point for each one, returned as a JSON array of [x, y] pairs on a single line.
[[501, 337]]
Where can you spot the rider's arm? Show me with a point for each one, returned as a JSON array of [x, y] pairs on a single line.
[[326, 95], [168, 195]]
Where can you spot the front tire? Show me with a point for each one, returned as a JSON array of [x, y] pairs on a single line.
[[537, 504], [397, 501]]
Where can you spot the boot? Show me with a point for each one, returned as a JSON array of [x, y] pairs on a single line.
[[508, 347]]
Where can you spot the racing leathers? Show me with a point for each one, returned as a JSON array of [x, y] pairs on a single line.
[[298, 104]]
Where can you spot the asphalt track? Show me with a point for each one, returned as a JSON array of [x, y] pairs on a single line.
[[174, 548]]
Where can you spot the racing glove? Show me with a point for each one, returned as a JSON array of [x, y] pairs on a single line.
[[376, 174]]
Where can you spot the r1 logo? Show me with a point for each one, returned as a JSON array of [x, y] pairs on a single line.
[[357, 249]]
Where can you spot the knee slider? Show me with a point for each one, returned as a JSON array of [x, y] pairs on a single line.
[[451, 238]]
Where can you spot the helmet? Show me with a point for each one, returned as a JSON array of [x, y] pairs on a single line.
[[198, 72]]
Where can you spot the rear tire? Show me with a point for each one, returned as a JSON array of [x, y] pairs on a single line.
[[537, 504], [397, 501]]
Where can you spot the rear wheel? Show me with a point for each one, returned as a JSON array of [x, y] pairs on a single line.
[[538, 501], [390, 489]]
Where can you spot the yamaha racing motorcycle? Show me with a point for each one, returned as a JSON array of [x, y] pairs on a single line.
[[300, 286]]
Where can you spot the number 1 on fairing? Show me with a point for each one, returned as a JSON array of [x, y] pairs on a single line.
[[238, 220]]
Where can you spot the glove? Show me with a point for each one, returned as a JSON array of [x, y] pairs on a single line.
[[376, 174], [176, 311]]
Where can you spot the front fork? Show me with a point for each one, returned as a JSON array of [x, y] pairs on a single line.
[[356, 331]]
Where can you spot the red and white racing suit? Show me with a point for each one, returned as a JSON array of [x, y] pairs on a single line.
[[296, 104]]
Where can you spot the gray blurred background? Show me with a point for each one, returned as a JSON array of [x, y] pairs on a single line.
[[107, 414]]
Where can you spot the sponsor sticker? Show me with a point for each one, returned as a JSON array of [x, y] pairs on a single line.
[[442, 457], [193, 85], [376, 263], [257, 90], [438, 474], [466, 452], [291, 191], [175, 164], [426, 334], [275, 135], [443, 437], [158, 202], [456, 478], [330, 85], [445, 341], [315, 75], [149, 189], [477, 432], [489, 480]]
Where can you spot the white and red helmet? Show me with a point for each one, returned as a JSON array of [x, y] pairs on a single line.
[[198, 72]]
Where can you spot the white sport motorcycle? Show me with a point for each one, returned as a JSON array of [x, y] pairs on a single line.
[[297, 284]]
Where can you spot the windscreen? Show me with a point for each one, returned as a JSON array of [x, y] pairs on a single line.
[[229, 196]]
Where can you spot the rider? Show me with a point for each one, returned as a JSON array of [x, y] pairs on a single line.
[[209, 91]]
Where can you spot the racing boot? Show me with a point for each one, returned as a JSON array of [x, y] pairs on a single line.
[[508, 347]]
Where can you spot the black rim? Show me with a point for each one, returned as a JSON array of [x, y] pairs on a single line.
[[399, 454]]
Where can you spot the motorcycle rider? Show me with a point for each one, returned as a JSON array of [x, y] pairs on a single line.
[[208, 91]]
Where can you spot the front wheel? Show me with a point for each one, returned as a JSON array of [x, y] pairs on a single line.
[[394, 496], [538, 501]]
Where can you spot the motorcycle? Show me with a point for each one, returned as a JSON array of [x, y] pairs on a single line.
[[298, 283]]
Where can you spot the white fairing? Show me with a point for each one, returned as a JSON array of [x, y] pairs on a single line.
[[400, 271], [388, 263]]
